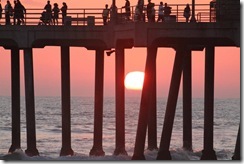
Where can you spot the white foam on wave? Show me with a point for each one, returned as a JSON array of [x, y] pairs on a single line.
[[20, 155], [177, 155]]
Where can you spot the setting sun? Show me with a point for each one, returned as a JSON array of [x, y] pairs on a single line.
[[134, 80]]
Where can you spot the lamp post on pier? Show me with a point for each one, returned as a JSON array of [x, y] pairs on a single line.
[[193, 19], [114, 3]]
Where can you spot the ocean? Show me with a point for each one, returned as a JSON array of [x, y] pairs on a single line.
[[48, 128]]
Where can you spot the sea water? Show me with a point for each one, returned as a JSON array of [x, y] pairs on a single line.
[[49, 129]]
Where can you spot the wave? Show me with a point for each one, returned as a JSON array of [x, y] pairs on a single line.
[[20, 155], [177, 155]]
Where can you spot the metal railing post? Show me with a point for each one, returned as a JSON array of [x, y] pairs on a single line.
[[84, 15], [177, 13]]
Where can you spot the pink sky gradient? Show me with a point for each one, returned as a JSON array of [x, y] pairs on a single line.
[[47, 72]]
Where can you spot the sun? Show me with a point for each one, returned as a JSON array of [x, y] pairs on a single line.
[[134, 80]]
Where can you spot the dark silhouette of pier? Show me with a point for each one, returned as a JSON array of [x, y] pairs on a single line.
[[117, 36]]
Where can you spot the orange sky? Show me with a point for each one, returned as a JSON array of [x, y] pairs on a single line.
[[47, 64]]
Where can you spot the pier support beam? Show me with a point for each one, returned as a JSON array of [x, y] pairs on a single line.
[[208, 152], [97, 148], [66, 120], [187, 102], [164, 153], [152, 116], [146, 101], [237, 153], [15, 88], [120, 100], [30, 103]]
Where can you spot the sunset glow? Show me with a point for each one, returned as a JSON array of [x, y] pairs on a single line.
[[82, 61], [102, 79], [134, 80]]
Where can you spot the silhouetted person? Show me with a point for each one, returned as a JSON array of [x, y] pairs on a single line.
[[1, 11], [105, 14], [127, 9], [55, 13], [48, 8], [15, 17], [64, 9], [141, 15], [19, 11], [213, 10], [113, 13], [22, 12], [153, 13], [8, 12], [187, 12], [137, 15], [167, 11], [160, 12], [149, 10], [42, 18]]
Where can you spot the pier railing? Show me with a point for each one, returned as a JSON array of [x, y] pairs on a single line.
[[203, 13]]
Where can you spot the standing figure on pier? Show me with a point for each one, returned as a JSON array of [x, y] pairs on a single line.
[[64, 9], [153, 14], [167, 12], [105, 14], [55, 13], [140, 6], [187, 12], [137, 14], [22, 12], [1, 10], [48, 9], [149, 11], [8, 12], [15, 15], [127, 9], [161, 12], [19, 11]]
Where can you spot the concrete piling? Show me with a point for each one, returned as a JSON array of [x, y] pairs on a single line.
[[120, 100], [97, 149], [66, 114], [237, 153], [30, 103], [163, 153], [152, 111], [146, 101], [208, 152], [187, 101], [15, 97]]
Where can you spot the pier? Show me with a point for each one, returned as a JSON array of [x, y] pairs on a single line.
[[206, 31]]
